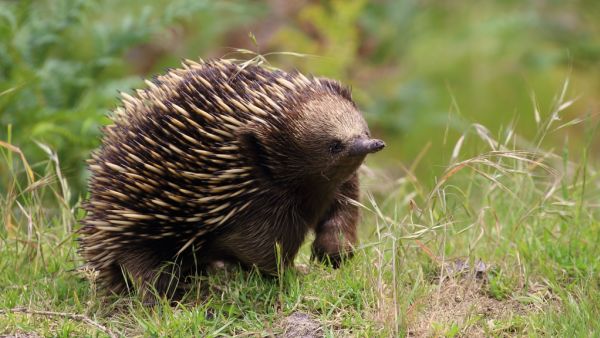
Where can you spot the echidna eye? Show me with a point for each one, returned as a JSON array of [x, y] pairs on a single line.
[[336, 146]]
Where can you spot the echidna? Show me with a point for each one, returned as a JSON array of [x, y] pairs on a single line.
[[219, 161]]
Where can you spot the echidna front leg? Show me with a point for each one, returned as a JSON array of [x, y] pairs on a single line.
[[336, 231]]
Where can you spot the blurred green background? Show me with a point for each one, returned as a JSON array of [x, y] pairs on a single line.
[[423, 71]]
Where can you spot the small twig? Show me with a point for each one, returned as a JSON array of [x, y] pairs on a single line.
[[73, 316]]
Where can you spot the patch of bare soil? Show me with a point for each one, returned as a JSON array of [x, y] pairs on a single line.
[[300, 325], [461, 302]]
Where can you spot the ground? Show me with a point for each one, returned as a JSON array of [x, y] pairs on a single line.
[[505, 243]]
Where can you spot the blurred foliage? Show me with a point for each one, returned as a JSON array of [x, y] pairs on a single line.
[[423, 71], [62, 63]]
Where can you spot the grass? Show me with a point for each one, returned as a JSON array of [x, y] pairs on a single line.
[[504, 243]]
